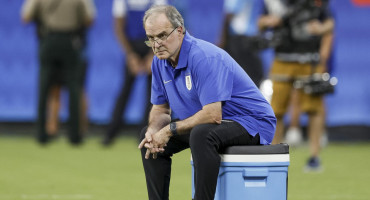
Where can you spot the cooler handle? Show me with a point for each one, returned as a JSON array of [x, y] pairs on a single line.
[[255, 177]]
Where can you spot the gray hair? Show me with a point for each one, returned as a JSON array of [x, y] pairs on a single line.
[[171, 12]]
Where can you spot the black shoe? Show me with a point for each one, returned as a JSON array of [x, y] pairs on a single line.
[[107, 141], [75, 139], [43, 139]]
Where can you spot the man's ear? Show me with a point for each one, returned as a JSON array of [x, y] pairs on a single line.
[[180, 29]]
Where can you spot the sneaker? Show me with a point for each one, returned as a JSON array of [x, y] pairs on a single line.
[[294, 136], [313, 165]]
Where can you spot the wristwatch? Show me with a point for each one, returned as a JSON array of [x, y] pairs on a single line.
[[173, 128]]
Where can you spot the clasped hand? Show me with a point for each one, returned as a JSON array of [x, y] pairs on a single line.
[[155, 142]]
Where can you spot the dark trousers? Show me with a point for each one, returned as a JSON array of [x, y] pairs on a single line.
[[121, 103], [60, 59], [205, 142], [116, 120]]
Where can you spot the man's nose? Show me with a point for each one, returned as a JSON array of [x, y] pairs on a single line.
[[157, 44]]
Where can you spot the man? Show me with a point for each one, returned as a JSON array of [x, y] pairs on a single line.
[[131, 36], [216, 102], [241, 36], [305, 34], [60, 24]]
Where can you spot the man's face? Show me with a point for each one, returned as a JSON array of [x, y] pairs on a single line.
[[167, 38]]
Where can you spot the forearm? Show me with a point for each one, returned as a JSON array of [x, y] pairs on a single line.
[[275, 16], [159, 117], [325, 47], [269, 21], [158, 133], [210, 114], [327, 26], [315, 27]]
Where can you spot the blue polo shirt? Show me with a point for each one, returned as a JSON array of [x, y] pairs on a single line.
[[206, 74]]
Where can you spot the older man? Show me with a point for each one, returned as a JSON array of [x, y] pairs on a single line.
[[216, 102]]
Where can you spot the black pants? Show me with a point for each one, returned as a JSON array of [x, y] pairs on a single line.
[[246, 54], [116, 120], [121, 103], [205, 142], [60, 59]]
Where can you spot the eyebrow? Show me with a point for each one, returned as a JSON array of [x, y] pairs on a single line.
[[161, 33]]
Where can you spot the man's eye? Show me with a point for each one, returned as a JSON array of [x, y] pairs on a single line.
[[161, 36]]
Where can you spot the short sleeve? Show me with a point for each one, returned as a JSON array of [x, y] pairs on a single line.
[[29, 8], [275, 7], [213, 81], [160, 2], [230, 6], [89, 8], [119, 8]]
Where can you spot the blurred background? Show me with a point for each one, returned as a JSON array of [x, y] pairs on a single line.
[[347, 107], [347, 117]]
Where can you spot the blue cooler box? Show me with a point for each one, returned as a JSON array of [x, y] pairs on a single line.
[[252, 173]]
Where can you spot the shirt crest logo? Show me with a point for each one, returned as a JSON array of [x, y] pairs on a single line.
[[188, 82]]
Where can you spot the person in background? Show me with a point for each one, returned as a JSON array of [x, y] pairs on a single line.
[[54, 100], [60, 28], [131, 36], [241, 37], [216, 103], [294, 133], [304, 48]]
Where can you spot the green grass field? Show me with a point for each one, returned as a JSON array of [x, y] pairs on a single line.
[[91, 172]]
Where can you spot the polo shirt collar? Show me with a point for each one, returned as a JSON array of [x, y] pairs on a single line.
[[184, 52]]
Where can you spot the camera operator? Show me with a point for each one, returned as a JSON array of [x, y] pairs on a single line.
[[302, 46]]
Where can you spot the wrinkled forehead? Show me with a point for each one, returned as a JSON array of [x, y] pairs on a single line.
[[156, 23]]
